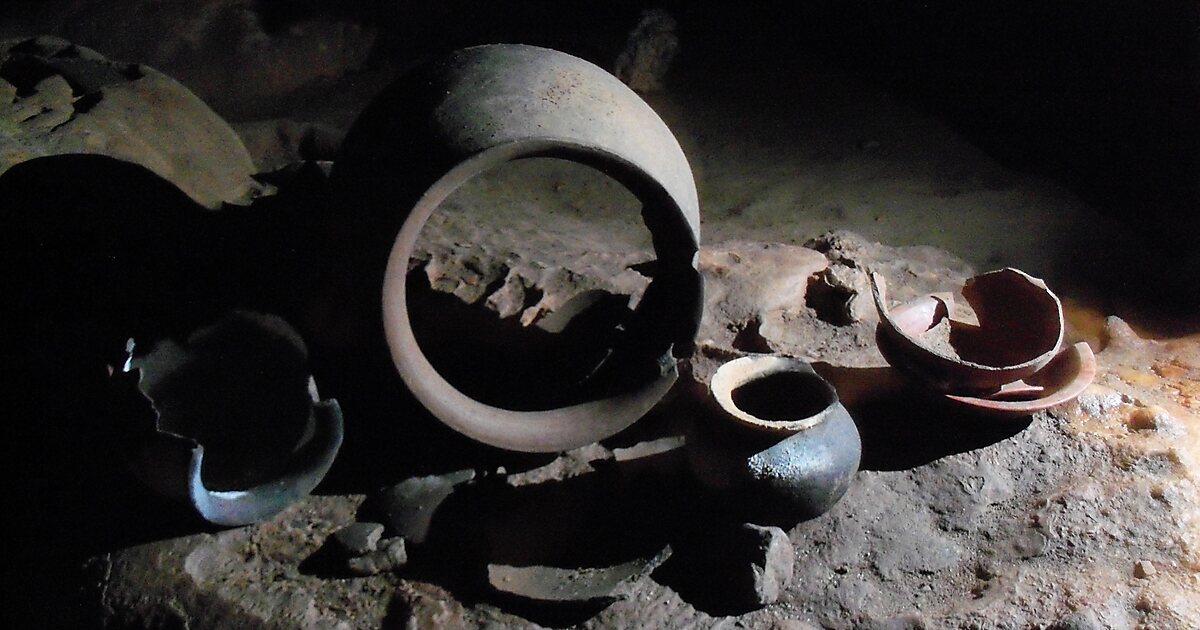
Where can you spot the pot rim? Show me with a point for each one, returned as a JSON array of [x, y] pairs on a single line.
[[739, 372]]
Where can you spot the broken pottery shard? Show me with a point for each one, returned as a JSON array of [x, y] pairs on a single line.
[[559, 585], [1020, 329], [1062, 380], [67, 99], [411, 504], [237, 425]]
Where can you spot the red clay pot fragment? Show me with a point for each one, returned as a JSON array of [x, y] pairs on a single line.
[[1007, 364], [1020, 330], [1064, 378]]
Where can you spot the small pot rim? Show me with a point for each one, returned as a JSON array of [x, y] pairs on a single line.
[[744, 370]]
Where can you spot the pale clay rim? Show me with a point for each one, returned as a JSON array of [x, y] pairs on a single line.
[[739, 372]]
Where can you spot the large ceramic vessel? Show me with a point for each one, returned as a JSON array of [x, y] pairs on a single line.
[[471, 112]]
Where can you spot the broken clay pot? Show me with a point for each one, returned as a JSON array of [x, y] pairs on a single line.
[[776, 441], [1062, 380], [471, 112], [1020, 329], [232, 420], [1018, 317]]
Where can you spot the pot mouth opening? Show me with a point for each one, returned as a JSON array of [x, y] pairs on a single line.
[[773, 393], [783, 396]]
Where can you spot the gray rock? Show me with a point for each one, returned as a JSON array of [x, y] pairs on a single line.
[[757, 564], [648, 52], [358, 539], [1144, 569], [391, 555]]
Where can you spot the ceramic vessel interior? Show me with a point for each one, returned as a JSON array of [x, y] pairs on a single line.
[[1018, 329]]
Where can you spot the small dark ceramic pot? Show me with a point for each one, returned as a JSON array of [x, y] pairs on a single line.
[[774, 442]]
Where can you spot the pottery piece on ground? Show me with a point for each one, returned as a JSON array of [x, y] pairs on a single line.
[[235, 422], [578, 585], [1019, 329]]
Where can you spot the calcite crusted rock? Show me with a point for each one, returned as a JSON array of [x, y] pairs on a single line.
[[59, 98], [747, 283]]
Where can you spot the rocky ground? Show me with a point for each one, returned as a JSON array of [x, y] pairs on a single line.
[[1085, 516]]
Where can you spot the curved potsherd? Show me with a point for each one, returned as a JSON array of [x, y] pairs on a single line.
[[1019, 329], [58, 98], [1062, 380], [471, 112], [773, 393], [574, 585], [238, 427]]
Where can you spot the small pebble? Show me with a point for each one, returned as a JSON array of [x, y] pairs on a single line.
[[357, 539], [1144, 569], [1030, 543]]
